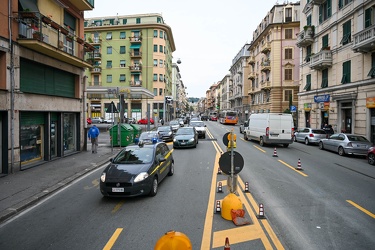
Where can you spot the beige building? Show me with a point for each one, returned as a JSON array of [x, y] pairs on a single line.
[[337, 42], [274, 61], [42, 81]]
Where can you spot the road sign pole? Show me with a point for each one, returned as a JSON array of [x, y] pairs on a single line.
[[231, 162]]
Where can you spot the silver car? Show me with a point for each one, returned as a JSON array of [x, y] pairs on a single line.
[[310, 135], [346, 144], [175, 125]]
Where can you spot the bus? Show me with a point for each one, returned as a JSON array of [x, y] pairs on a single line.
[[228, 117]]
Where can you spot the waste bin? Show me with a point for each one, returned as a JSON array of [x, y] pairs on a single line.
[[137, 130], [126, 135]]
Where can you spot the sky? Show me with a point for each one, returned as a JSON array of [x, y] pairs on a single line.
[[208, 34]]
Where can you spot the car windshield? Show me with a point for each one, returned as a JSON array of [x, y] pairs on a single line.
[[357, 138], [173, 123], [185, 131], [164, 129], [134, 156], [148, 136], [197, 124]]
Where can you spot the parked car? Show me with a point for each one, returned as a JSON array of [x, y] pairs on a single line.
[[89, 121], [148, 137], [181, 121], [137, 170], [195, 119], [175, 125], [185, 137], [204, 117], [309, 135], [109, 120], [200, 127], [165, 133], [243, 126], [346, 144], [213, 118], [97, 120], [144, 121], [371, 155]]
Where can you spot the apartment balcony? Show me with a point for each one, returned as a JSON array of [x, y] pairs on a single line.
[[135, 68], [305, 38], [265, 66], [364, 41], [266, 47], [135, 39], [83, 5], [251, 60], [135, 54], [251, 90], [95, 83], [49, 38], [317, 2], [95, 40], [96, 70], [265, 85], [321, 60], [251, 76], [135, 83]]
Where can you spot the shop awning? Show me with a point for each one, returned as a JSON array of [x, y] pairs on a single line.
[[135, 46]]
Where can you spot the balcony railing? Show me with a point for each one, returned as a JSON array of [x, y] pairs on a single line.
[[135, 83], [305, 38], [251, 75], [266, 47], [135, 68], [135, 39], [135, 54], [96, 70], [41, 34], [266, 85], [364, 41], [321, 60], [265, 66], [251, 60]]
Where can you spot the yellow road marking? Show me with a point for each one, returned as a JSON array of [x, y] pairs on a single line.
[[361, 208], [292, 168], [237, 235], [260, 149], [113, 239], [118, 206]]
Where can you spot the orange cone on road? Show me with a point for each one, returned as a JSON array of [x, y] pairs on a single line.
[[275, 153], [226, 246], [299, 165]]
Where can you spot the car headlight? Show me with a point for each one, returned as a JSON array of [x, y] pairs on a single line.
[[102, 177], [191, 140], [169, 133], [174, 139], [142, 176]]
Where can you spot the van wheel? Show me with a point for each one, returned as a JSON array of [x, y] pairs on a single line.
[[286, 145], [261, 142]]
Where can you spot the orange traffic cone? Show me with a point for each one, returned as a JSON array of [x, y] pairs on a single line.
[[226, 246], [274, 153], [299, 166]]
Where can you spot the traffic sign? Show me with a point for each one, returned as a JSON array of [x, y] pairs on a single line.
[[293, 108], [225, 162], [225, 138], [112, 108]]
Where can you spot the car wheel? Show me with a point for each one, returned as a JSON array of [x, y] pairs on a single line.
[[371, 159], [295, 138], [307, 141], [341, 151], [154, 187], [245, 136], [204, 136], [261, 142], [321, 145], [171, 170]]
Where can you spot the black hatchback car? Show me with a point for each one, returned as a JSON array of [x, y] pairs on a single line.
[[137, 170]]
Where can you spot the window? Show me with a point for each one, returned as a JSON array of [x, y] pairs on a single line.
[[308, 53], [122, 78], [346, 72], [288, 15], [138, 20], [161, 79], [122, 63], [109, 78], [165, 51], [155, 93], [109, 64], [325, 41], [288, 33], [324, 78], [155, 33], [160, 63], [124, 21], [155, 48], [161, 48], [343, 3], [160, 91], [288, 74], [368, 15], [308, 83], [155, 62], [372, 70], [109, 36], [122, 49], [308, 20], [161, 35], [155, 77], [109, 50], [289, 53], [288, 95], [325, 11], [122, 35], [158, 20], [346, 32]]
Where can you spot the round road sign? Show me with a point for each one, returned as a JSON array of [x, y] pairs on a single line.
[[225, 162]]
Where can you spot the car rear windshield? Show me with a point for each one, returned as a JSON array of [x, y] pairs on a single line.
[[318, 131], [185, 131], [148, 136], [197, 124], [134, 156], [164, 129], [357, 138]]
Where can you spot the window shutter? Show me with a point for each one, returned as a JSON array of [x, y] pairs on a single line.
[[329, 9], [368, 13], [320, 13]]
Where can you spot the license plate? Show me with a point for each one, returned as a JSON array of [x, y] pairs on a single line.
[[117, 190], [183, 143]]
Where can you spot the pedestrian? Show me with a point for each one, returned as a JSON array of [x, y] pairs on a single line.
[[93, 135]]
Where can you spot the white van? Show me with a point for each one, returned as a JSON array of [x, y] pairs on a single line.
[[270, 128]]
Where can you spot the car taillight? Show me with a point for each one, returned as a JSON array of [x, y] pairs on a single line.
[[267, 131], [292, 132], [350, 144], [311, 135]]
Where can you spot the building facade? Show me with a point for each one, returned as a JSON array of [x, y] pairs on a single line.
[[338, 66], [274, 61], [132, 65], [41, 81]]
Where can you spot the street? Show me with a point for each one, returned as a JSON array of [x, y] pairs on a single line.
[[328, 205]]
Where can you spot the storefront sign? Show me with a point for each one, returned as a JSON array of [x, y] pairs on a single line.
[[321, 98], [370, 102]]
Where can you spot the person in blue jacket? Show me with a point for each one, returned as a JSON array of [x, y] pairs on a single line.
[[93, 136]]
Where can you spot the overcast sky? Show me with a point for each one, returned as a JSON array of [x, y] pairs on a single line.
[[208, 34]]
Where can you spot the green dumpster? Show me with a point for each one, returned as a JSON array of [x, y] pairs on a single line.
[[137, 130], [126, 135]]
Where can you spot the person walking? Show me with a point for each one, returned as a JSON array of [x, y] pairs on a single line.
[[93, 135]]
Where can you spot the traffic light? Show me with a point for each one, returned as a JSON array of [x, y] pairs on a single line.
[[168, 99]]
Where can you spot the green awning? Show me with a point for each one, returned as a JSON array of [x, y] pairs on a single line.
[[135, 46]]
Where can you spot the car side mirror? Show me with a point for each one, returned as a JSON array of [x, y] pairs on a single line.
[[111, 160]]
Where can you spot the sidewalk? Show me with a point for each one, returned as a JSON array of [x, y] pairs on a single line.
[[22, 189]]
